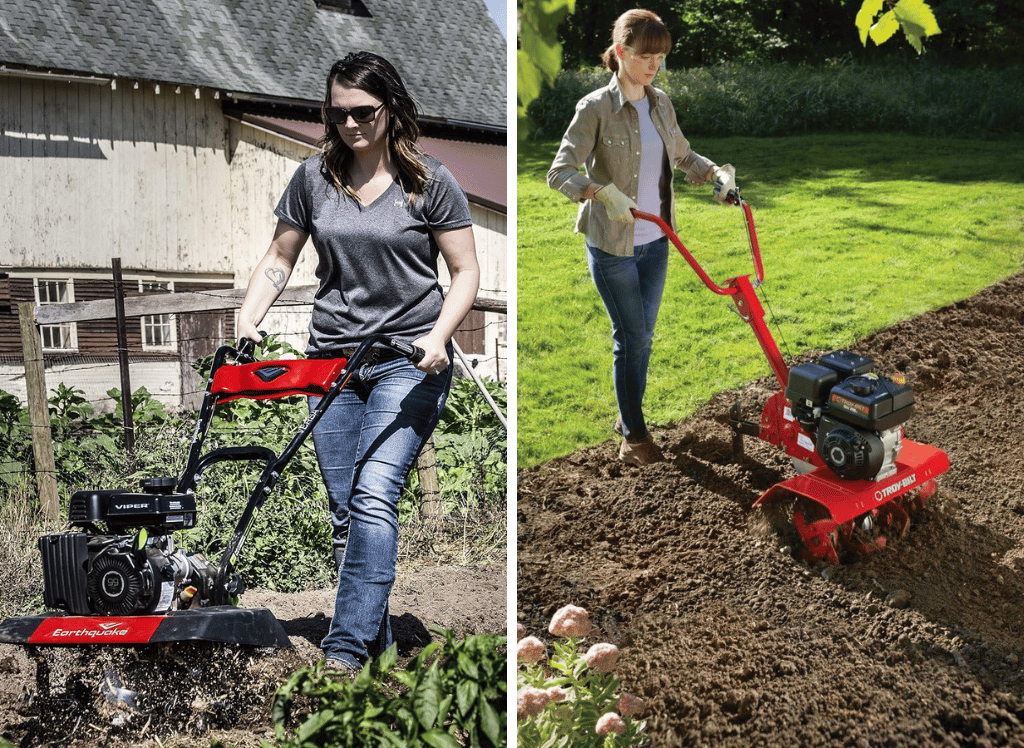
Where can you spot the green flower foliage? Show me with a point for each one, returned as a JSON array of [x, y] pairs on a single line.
[[585, 695]]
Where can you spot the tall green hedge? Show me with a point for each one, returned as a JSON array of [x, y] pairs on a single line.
[[916, 98]]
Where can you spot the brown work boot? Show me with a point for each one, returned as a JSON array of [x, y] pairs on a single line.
[[640, 453]]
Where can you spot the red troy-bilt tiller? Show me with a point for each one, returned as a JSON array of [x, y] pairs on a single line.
[[859, 478], [117, 574]]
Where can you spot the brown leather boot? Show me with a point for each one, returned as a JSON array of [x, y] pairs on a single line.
[[640, 453]]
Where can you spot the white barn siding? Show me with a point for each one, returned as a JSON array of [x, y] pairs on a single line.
[[93, 173], [168, 184]]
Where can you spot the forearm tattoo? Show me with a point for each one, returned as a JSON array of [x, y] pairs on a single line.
[[277, 277]]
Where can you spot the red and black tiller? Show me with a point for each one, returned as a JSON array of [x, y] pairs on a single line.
[[117, 573], [859, 478]]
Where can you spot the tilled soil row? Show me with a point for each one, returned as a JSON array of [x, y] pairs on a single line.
[[734, 643]]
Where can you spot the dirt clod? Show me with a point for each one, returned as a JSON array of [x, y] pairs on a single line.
[[733, 643]]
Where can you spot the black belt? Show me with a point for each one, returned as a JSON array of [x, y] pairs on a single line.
[[373, 356]]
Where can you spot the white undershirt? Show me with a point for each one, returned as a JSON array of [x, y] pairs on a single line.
[[652, 156]]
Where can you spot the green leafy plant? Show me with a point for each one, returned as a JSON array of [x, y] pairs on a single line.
[[472, 447], [452, 690], [147, 412], [80, 448], [539, 57], [573, 700], [467, 410], [915, 17], [15, 448]]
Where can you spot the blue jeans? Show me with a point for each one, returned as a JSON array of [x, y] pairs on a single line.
[[631, 288], [366, 444]]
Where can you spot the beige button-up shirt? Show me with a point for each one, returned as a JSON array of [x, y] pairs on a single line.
[[604, 136]]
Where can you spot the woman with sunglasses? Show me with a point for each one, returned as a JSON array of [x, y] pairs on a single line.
[[626, 136], [379, 211]]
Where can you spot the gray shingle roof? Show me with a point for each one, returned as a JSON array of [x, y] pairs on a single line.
[[450, 52]]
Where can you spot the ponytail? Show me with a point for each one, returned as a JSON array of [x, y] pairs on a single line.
[[610, 59]]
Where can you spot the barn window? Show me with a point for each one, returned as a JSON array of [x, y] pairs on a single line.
[[157, 329], [349, 7], [61, 337]]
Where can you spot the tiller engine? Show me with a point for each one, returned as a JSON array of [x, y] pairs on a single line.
[[858, 477], [117, 574]]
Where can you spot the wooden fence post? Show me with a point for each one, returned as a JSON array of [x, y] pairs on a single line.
[[39, 412], [430, 487], [127, 411]]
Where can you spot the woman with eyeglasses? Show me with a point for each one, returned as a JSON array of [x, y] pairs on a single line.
[[626, 136], [379, 212]]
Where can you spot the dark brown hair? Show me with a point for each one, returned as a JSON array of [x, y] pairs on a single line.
[[640, 30], [377, 77]]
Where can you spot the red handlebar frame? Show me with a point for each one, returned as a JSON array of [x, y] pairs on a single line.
[[740, 288], [755, 249]]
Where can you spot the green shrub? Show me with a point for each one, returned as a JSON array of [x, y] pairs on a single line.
[[15, 446], [472, 447]]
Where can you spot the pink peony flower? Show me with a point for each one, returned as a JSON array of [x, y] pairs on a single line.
[[630, 706], [520, 631], [558, 694], [531, 701], [602, 657], [530, 649], [610, 723], [570, 621]]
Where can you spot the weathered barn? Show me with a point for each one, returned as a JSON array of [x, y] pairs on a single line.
[[163, 134]]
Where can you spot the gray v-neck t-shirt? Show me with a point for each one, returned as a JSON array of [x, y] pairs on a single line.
[[377, 263]]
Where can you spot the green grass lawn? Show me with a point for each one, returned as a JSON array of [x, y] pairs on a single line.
[[857, 232]]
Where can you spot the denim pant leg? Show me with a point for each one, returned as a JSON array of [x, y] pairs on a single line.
[[631, 288], [366, 443]]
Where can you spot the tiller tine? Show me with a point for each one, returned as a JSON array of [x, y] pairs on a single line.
[[919, 498], [819, 539], [894, 517]]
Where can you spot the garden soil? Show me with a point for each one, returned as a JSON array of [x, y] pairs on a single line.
[[731, 641], [189, 695]]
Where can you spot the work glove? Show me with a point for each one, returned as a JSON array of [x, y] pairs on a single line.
[[724, 178], [616, 203]]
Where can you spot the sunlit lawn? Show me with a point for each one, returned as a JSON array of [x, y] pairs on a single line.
[[857, 232]]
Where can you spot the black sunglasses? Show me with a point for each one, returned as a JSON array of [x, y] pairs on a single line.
[[337, 115]]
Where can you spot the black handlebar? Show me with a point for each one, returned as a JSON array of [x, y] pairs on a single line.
[[246, 348], [412, 352]]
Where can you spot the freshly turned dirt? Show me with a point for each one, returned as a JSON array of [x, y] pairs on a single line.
[[188, 695], [731, 641]]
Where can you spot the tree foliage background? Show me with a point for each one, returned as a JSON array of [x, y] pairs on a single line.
[[705, 32]]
